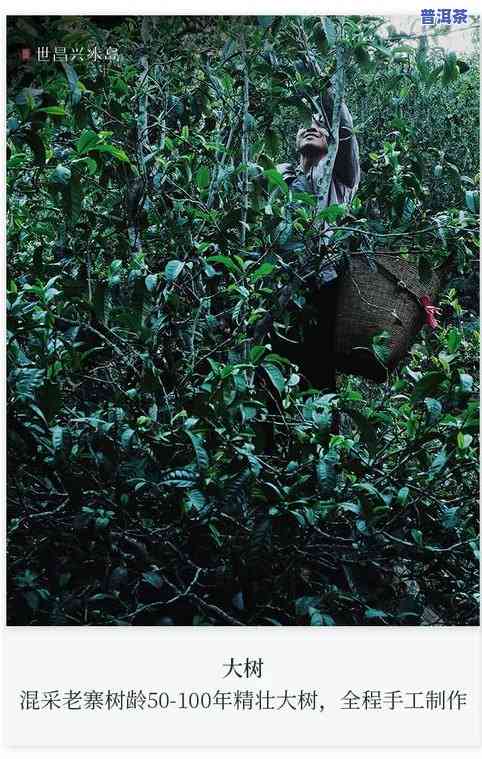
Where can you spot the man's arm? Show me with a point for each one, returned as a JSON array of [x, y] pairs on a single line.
[[347, 161]]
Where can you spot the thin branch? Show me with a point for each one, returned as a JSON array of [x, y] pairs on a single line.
[[245, 143]]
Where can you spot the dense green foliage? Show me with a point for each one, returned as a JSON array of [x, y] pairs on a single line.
[[165, 465]]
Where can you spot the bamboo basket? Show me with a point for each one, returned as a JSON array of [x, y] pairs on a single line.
[[371, 300]]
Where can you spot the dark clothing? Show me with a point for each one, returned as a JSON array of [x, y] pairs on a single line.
[[314, 354]]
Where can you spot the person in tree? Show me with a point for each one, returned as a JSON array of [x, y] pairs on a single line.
[[315, 353]]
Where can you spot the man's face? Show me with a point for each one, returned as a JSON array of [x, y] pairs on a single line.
[[312, 140]]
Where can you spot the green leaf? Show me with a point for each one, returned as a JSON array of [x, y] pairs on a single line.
[[29, 96], [334, 212], [275, 179], [304, 604], [256, 352], [438, 464], [62, 440], [202, 178], [72, 77], [362, 57], [113, 150], [26, 381], [87, 140], [173, 269], [151, 282], [320, 620], [368, 487], [466, 383], [275, 376], [75, 197], [62, 174], [464, 441], [475, 549], [228, 50], [127, 438], [262, 271], [283, 231], [326, 473], [227, 262], [434, 409], [201, 454], [450, 517], [53, 110], [382, 353], [454, 338], [58, 438], [115, 267], [375, 614], [180, 478], [417, 537], [196, 500], [91, 165], [472, 200], [153, 578]]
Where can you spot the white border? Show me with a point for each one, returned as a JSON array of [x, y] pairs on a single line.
[[218, 7], [453, 636]]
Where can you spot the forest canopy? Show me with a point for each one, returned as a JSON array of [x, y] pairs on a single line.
[[165, 464]]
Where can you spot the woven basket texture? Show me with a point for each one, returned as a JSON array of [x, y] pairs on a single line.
[[371, 301]]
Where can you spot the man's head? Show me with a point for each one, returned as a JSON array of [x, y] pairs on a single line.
[[312, 140]]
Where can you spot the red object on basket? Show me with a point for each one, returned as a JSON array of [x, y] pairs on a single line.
[[430, 310]]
